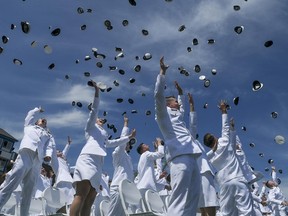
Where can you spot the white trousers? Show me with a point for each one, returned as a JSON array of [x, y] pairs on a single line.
[[27, 169], [235, 198], [185, 183], [116, 207]]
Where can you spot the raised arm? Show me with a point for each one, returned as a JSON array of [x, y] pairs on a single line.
[[274, 174], [225, 125], [125, 129], [233, 140], [122, 140], [125, 132], [192, 116], [160, 102], [30, 118], [180, 97], [160, 150], [94, 108], [67, 146]]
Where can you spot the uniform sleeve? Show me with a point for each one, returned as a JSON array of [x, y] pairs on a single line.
[[66, 149], [92, 115], [160, 101], [256, 198], [180, 102], [272, 197], [157, 154], [51, 146], [193, 124], [118, 149], [30, 118], [225, 126], [117, 142], [233, 139], [210, 154], [274, 176], [263, 190]]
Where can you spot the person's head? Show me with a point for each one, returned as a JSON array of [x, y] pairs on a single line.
[[270, 184], [172, 102], [142, 148], [42, 122], [43, 171], [100, 121], [209, 140], [60, 154]]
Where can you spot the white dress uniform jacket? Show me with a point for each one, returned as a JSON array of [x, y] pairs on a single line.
[[181, 152], [246, 168], [123, 169], [230, 176], [96, 136], [178, 139], [35, 138], [122, 163], [276, 197], [27, 164], [146, 174], [202, 161]]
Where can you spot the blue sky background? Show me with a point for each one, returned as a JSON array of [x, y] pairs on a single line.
[[238, 58]]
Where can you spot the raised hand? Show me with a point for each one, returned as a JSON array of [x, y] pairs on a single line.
[[163, 67], [41, 109], [191, 102], [223, 106], [178, 87], [126, 120], [69, 140]]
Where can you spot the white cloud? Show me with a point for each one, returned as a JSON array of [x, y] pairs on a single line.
[[70, 119]]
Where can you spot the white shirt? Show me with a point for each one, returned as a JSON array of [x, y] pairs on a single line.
[[224, 158], [52, 152], [240, 154], [122, 163], [202, 161], [96, 136], [63, 174], [178, 139], [35, 137], [275, 195], [146, 175]]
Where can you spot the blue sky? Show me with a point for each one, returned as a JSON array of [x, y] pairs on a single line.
[[238, 58]]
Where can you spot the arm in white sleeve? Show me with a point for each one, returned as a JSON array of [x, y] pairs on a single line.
[[92, 115], [263, 190], [117, 142], [272, 197], [233, 139], [274, 176], [66, 149], [160, 101], [118, 149], [51, 146], [256, 198], [29, 120], [180, 102], [193, 124], [157, 154], [225, 126], [210, 154]]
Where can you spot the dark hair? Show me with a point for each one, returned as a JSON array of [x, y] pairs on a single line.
[[208, 140], [139, 148]]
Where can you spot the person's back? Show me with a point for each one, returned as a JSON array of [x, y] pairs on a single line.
[[235, 196], [146, 174]]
